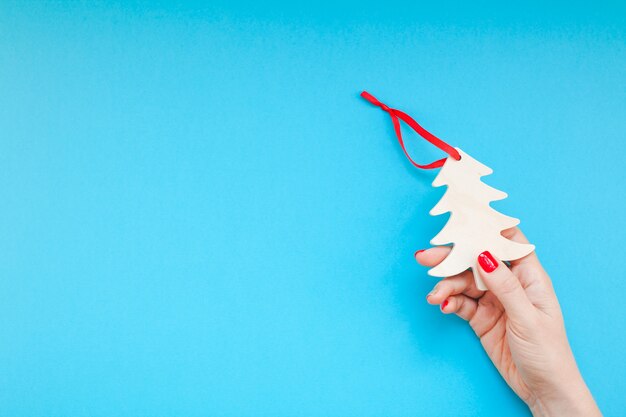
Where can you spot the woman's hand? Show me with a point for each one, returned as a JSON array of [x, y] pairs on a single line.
[[520, 326]]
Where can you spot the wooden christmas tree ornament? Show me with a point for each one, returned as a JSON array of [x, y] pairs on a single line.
[[474, 226]]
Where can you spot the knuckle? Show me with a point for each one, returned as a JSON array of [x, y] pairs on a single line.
[[460, 301]]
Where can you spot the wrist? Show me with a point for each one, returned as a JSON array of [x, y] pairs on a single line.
[[570, 398]]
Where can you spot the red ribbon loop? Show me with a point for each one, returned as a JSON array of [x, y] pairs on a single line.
[[396, 116]]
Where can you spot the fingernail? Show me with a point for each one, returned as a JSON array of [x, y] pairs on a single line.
[[432, 292], [444, 304], [487, 262], [418, 251]]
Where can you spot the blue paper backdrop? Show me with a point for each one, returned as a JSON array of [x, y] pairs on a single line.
[[200, 217]]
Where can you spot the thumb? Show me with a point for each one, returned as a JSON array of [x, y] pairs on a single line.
[[505, 286]]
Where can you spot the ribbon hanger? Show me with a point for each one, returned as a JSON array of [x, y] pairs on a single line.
[[396, 116]]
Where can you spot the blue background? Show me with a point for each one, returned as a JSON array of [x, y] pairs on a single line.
[[200, 217]]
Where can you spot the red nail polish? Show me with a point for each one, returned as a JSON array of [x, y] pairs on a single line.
[[487, 262], [418, 251], [444, 304]]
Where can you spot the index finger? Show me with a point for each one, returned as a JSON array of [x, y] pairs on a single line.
[[516, 235], [432, 256]]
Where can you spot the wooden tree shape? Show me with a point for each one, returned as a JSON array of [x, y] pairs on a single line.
[[473, 226]]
